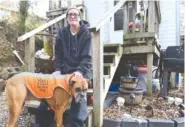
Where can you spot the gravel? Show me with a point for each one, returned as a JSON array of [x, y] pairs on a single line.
[[161, 109], [25, 119]]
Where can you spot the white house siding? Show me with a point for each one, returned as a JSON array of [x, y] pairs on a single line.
[[168, 28], [95, 10], [115, 36], [182, 17]]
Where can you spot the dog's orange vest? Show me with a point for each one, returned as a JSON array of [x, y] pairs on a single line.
[[43, 85]]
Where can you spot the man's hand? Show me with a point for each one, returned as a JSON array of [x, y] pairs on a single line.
[[78, 74], [56, 73]]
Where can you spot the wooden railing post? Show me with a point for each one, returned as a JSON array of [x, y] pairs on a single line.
[[30, 54], [151, 16], [150, 55], [125, 21], [97, 79]]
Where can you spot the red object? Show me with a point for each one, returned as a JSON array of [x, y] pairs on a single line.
[[130, 25], [142, 69], [90, 100], [137, 25]]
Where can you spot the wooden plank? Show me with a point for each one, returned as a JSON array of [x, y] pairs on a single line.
[[137, 49], [110, 54], [55, 12], [125, 21], [151, 16], [158, 10], [138, 35], [32, 104], [30, 54], [90, 91], [108, 64], [98, 79], [112, 71], [106, 76], [35, 104], [46, 34], [112, 45], [156, 51], [106, 16], [149, 73], [89, 121], [41, 28]]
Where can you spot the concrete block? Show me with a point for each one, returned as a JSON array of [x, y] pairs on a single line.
[[160, 123], [131, 122], [179, 122], [111, 123]]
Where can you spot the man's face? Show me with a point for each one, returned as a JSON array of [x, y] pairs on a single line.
[[73, 17]]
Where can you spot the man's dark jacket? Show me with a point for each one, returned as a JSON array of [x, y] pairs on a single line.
[[74, 52]]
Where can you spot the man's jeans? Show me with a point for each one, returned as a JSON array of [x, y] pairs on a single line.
[[78, 114]]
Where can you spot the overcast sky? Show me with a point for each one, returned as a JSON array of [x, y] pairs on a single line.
[[40, 8]]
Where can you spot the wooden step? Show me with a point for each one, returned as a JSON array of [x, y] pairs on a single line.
[[108, 64], [112, 45], [35, 104], [106, 70], [90, 91], [106, 76], [89, 120], [110, 54], [111, 48], [109, 58]]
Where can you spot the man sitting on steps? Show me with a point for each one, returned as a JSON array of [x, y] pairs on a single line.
[[73, 54]]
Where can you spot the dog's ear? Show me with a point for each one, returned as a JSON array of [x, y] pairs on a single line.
[[68, 78], [71, 83]]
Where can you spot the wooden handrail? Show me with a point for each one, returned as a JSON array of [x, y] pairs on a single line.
[[157, 4], [106, 16], [42, 27]]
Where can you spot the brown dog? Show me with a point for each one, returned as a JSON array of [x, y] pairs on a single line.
[[56, 89]]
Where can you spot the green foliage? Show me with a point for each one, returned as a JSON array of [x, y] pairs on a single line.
[[33, 21], [23, 14]]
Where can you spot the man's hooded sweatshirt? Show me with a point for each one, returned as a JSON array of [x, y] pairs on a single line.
[[74, 52]]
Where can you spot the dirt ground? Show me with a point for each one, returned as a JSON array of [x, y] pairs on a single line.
[[25, 120], [161, 109]]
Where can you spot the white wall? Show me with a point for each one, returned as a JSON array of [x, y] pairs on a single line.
[[182, 18], [115, 36], [168, 27], [168, 34], [95, 10]]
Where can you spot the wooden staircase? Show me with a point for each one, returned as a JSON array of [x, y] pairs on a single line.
[[112, 56]]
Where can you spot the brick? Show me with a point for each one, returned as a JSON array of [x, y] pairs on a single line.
[[160, 123], [111, 123], [179, 122], [131, 122]]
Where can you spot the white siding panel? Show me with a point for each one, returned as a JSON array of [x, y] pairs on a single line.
[[95, 10], [167, 28]]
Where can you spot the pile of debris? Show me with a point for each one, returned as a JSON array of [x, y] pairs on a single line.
[[177, 92], [155, 108], [42, 54]]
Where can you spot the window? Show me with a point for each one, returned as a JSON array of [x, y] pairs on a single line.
[[118, 18]]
